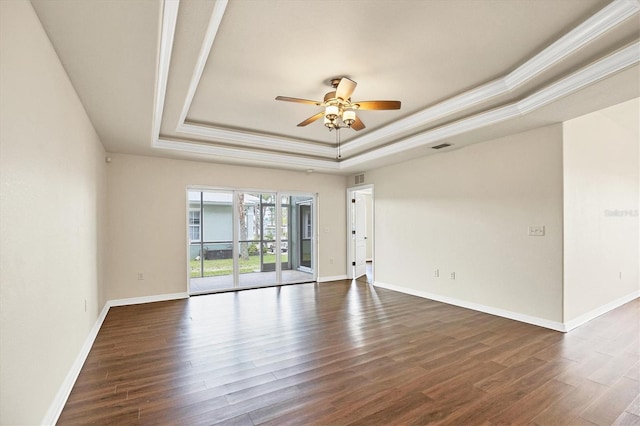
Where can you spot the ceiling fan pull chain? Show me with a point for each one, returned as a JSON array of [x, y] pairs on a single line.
[[338, 140]]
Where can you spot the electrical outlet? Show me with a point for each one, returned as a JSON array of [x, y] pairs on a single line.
[[452, 275], [436, 273], [536, 230], [331, 261], [85, 305], [140, 276]]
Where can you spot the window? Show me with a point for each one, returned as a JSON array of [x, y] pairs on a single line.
[[194, 225]]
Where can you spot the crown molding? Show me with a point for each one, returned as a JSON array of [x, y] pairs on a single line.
[[604, 20], [616, 62], [268, 158], [593, 73], [598, 24], [168, 29], [254, 140], [205, 50], [436, 135]]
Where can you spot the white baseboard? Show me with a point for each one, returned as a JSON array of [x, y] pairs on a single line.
[[55, 409], [147, 299], [333, 278], [541, 322], [577, 322]]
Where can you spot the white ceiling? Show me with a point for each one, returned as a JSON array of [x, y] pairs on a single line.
[[198, 79]]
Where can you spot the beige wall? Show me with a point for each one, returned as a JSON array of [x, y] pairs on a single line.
[[147, 218], [468, 212], [52, 180], [601, 208]]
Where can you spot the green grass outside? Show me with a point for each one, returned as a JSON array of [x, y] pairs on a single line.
[[217, 267]]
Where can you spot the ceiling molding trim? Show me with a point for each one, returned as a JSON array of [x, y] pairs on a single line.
[[253, 140], [598, 24], [593, 73], [436, 135], [212, 30], [169, 19], [604, 20], [234, 153], [611, 64], [421, 118]]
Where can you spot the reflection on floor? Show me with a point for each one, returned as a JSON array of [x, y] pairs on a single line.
[[253, 279], [368, 278]]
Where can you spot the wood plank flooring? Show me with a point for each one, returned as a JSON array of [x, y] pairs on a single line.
[[347, 353]]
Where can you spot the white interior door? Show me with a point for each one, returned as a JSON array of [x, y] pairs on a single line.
[[360, 236]]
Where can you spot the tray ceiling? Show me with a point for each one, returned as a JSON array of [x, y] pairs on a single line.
[[198, 79]]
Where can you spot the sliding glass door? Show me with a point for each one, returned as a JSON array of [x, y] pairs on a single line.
[[245, 239], [210, 236]]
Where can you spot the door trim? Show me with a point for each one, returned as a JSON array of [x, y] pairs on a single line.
[[350, 193]]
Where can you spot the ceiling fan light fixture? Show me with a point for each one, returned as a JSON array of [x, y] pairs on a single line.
[[331, 124], [349, 117], [331, 112], [339, 111]]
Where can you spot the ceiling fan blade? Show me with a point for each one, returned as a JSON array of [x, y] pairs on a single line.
[[358, 124], [345, 88], [298, 100], [373, 105], [311, 119]]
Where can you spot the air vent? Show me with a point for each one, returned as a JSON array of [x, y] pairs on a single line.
[[442, 145], [359, 179]]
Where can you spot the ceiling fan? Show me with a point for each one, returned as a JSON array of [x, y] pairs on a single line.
[[339, 110]]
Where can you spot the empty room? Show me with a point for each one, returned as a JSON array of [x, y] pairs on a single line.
[[322, 212]]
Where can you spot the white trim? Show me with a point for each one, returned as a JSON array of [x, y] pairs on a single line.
[[428, 115], [604, 20], [55, 409], [148, 299], [577, 322], [618, 61], [212, 30], [258, 141], [598, 24], [541, 322], [267, 157], [601, 22], [169, 19], [331, 278], [351, 190], [590, 74]]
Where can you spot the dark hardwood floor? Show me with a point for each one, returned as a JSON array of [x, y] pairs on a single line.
[[348, 353]]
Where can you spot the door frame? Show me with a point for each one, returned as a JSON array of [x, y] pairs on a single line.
[[351, 191]]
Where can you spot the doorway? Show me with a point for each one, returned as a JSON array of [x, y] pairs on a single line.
[[246, 239], [360, 223]]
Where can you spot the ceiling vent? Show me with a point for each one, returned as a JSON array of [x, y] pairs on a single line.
[[442, 145], [359, 179]]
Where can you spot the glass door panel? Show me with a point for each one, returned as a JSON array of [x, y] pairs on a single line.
[[257, 244], [210, 230], [285, 212], [300, 231], [305, 235]]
